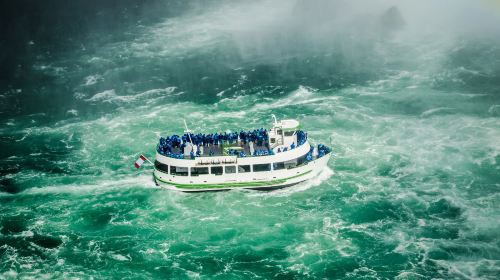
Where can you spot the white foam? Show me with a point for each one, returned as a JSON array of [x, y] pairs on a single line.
[[79, 95], [494, 110], [110, 96], [10, 274], [211, 218], [27, 233], [28, 133], [316, 181], [303, 95], [107, 95], [119, 257], [409, 275], [468, 269], [72, 112], [326, 173], [435, 110], [92, 79], [104, 185]]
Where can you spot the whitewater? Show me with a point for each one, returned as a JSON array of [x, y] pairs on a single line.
[[411, 113]]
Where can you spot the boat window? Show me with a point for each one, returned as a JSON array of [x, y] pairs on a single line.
[[278, 165], [179, 171], [273, 140], [261, 167], [279, 131], [301, 160], [290, 164], [230, 169], [289, 133], [217, 170], [243, 168], [196, 171], [296, 162], [161, 167]]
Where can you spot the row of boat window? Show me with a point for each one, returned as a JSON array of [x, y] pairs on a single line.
[[229, 169]]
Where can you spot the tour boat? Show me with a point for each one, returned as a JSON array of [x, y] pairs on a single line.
[[258, 159]]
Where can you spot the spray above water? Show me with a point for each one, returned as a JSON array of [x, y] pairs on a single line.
[[407, 91]]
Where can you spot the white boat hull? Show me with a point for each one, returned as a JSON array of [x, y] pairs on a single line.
[[267, 180]]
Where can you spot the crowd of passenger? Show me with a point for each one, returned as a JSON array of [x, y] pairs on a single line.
[[323, 150], [301, 137], [175, 145], [258, 136], [234, 152], [309, 155]]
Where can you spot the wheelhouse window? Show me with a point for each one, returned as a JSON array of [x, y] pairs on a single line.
[[196, 171], [261, 167], [161, 167], [243, 168], [230, 169], [289, 133], [217, 170], [278, 165], [178, 170]]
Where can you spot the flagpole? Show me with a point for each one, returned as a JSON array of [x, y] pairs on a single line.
[[188, 132], [148, 160]]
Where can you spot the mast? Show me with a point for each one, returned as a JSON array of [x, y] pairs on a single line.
[[188, 131]]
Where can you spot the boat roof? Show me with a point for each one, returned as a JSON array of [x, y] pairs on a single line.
[[288, 124]]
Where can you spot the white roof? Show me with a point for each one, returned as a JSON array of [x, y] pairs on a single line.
[[288, 124]]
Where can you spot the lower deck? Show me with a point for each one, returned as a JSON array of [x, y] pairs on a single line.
[[241, 177]]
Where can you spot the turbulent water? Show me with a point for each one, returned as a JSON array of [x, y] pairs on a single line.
[[407, 97]]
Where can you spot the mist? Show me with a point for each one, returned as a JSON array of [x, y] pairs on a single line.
[[221, 49], [406, 93]]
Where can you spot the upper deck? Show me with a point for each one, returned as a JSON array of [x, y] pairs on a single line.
[[283, 136], [289, 155], [283, 143]]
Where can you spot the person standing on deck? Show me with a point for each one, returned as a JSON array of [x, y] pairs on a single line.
[[195, 149], [250, 145]]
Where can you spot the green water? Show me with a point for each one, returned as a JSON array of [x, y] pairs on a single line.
[[413, 191]]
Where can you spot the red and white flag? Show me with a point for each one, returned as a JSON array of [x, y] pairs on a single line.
[[140, 161]]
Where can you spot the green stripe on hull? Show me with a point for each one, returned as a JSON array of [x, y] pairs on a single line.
[[236, 184]]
